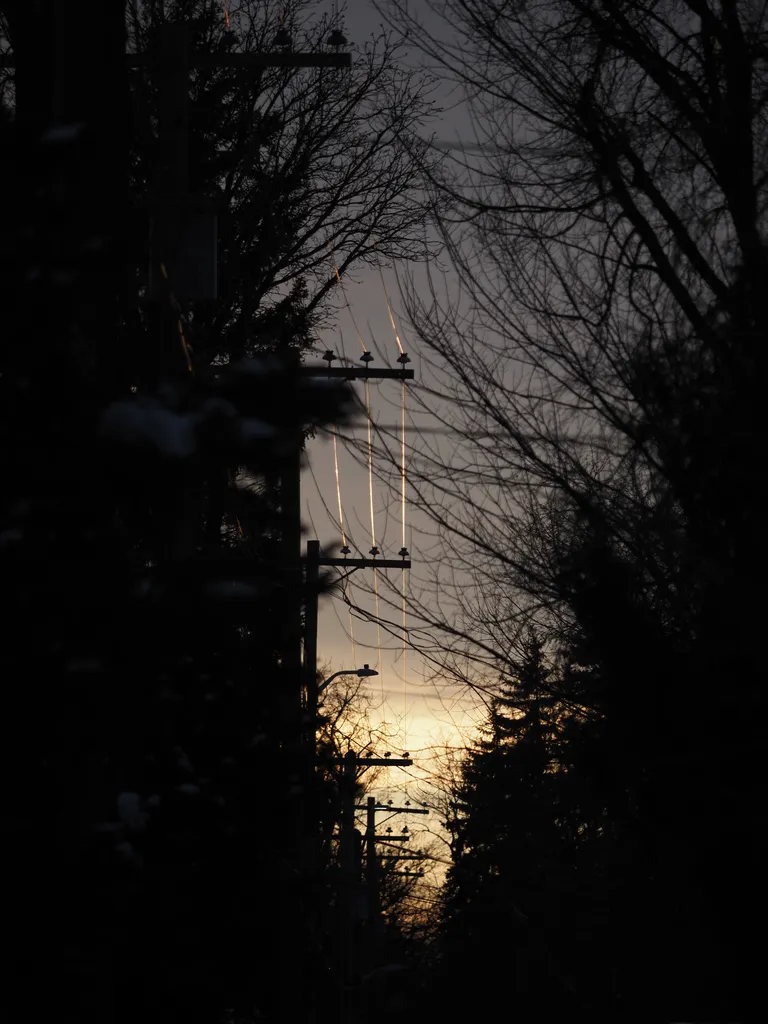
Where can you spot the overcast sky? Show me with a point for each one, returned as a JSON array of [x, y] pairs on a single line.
[[434, 712]]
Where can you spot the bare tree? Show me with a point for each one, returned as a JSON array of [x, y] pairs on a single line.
[[315, 171], [407, 889], [605, 234], [597, 356], [346, 722]]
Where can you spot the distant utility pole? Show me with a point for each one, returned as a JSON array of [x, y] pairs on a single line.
[[372, 862], [350, 891], [372, 873]]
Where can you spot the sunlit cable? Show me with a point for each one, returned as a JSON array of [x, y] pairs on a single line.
[[389, 310], [389, 305], [404, 621], [402, 464], [343, 533], [379, 663], [346, 300], [370, 463], [338, 490], [402, 572], [351, 626]]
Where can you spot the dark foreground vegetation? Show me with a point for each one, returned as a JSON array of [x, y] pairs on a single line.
[[168, 855]]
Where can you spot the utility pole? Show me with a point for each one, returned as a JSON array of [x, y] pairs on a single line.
[[177, 228], [350, 888], [313, 560], [306, 600], [183, 240], [373, 858], [175, 214], [312, 594], [170, 197], [178, 225], [372, 880]]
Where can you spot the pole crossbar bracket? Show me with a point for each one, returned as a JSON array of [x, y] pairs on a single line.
[[356, 373], [367, 563]]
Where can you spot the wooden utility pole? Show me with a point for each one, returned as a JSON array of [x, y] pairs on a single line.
[[372, 873], [175, 214], [312, 593], [183, 240], [314, 561], [176, 219], [170, 197], [372, 863], [183, 244], [350, 888]]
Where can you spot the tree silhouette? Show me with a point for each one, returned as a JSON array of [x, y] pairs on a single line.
[[150, 777], [596, 371]]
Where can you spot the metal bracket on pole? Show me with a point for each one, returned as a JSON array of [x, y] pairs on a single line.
[[395, 810], [367, 563], [356, 373], [242, 61], [369, 762]]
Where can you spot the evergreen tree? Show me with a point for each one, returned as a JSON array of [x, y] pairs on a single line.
[[513, 832], [150, 791]]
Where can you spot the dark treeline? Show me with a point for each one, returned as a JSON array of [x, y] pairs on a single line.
[[167, 856], [606, 357], [157, 814]]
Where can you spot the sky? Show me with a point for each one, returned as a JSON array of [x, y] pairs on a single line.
[[423, 712]]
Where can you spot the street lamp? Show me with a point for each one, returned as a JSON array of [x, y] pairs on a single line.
[[363, 673]]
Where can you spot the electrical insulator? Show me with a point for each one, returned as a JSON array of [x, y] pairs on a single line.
[[366, 357], [337, 38], [283, 37]]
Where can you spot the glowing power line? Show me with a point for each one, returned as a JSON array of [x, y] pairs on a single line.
[[389, 310], [404, 619], [402, 552], [338, 490], [346, 300], [344, 545], [374, 549]]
